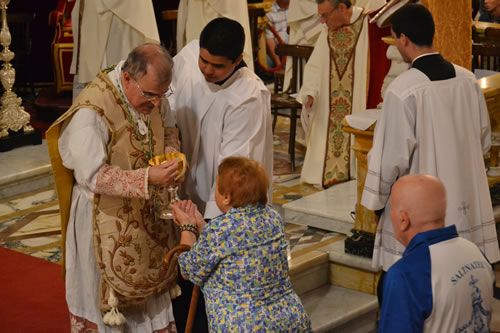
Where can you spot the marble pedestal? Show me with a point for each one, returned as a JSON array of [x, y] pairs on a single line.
[[332, 210], [24, 170]]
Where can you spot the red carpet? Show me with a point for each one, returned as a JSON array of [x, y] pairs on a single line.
[[31, 295]]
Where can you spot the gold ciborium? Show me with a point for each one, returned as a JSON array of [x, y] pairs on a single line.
[[161, 199]]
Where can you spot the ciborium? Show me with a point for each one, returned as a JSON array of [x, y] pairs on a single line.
[[164, 197]]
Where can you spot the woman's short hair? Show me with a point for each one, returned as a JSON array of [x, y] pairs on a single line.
[[244, 179]]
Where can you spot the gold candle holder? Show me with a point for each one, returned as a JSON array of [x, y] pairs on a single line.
[[12, 114]]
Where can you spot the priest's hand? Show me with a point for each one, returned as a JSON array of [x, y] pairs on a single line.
[[163, 174], [309, 102]]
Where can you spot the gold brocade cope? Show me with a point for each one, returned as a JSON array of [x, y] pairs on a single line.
[[63, 179], [342, 43]]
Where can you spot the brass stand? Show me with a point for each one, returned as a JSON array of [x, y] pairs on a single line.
[[362, 240], [15, 130]]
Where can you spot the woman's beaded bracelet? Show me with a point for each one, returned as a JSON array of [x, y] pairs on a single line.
[[191, 228]]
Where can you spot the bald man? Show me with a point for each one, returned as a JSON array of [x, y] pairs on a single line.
[[443, 282]]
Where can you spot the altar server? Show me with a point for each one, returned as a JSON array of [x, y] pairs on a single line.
[[222, 109], [434, 120]]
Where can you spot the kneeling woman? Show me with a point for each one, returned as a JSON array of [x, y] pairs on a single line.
[[239, 259]]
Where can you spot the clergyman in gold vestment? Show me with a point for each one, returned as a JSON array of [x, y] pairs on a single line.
[[335, 85], [114, 247]]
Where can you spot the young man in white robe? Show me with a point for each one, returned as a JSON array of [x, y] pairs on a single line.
[[194, 15], [104, 32], [113, 245], [434, 121], [335, 85], [222, 109]]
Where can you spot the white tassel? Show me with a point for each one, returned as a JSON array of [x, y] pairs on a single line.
[[113, 317], [175, 291]]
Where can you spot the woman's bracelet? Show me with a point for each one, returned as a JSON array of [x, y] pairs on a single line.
[[191, 228]]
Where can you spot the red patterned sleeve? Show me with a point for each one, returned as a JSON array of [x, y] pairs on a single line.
[[113, 181]]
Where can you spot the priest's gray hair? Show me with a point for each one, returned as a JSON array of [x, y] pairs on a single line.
[[336, 3], [144, 55]]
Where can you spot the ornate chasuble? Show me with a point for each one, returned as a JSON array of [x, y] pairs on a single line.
[[129, 245], [342, 43]]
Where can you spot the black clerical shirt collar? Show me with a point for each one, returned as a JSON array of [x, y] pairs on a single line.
[[434, 66], [241, 65]]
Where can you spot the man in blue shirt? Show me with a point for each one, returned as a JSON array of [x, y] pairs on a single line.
[[443, 282]]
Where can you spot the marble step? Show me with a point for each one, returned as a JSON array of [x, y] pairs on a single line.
[[336, 309], [350, 271], [308, 271], [24, 170], [328, 210]]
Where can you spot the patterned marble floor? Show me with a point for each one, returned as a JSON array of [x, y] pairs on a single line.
[[286, 185], [30, 223]]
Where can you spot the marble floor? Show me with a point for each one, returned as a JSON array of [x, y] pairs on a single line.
[[29, 223]]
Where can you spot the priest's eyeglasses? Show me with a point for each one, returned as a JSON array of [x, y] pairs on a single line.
[[326, 16], [151, 97]]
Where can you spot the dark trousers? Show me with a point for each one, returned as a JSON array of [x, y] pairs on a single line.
[[380, 288], [181, 309]]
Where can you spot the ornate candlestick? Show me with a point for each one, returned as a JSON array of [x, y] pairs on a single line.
[[12, 114]]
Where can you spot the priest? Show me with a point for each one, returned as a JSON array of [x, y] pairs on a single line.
[[305, 25], [434, 121], [113, 243], [336, 78]]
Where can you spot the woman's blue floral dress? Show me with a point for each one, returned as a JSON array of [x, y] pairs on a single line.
[[241, 265]]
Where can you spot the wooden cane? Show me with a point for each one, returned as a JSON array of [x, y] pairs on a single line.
[[170, 260], [192, 309]]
